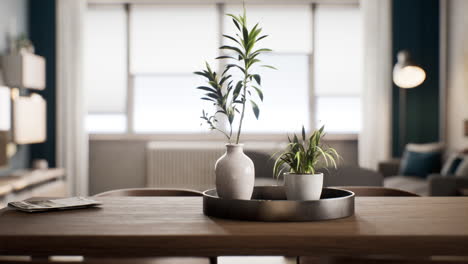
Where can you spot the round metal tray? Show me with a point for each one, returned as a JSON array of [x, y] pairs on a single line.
[[269, 204]]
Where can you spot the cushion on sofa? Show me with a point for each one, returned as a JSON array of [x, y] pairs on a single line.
[[456, 165], [462, 169], [451, 165], [420, 164], [421, 159]]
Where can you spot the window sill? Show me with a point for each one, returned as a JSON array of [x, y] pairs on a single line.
[[207, 137]]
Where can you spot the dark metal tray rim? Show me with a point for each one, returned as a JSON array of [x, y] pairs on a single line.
[[209, 194], [270, 205]]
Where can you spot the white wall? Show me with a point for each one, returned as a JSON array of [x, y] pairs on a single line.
[[457, 74]]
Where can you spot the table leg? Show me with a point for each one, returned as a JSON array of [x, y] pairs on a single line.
[[213, 260]]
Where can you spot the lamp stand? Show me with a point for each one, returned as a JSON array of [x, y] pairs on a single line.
[[402, 119]]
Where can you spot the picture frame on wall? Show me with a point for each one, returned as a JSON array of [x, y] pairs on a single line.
[[29, 119]]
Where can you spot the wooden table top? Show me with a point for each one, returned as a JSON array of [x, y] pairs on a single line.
[[176, 226]]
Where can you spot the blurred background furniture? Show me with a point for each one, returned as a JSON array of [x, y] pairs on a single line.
[[149, 192], [28, 183], [446, 180], [351, 176], [342, 176]]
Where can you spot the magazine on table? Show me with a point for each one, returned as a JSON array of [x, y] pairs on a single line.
[[53, 204]]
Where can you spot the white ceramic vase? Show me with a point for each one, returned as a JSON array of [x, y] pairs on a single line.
[[235, 174], [303, 186]]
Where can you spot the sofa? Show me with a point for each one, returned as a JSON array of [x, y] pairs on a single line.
[[440, 183]]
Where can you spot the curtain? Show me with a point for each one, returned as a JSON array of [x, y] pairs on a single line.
[[375, 137], [72, 138]]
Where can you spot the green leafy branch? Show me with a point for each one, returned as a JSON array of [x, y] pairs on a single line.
[[303, 156], [245, 56], [220, 97]]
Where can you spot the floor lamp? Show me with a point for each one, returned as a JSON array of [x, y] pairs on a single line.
[[406, 75]]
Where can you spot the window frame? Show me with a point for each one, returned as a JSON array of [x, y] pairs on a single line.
[[131, 134]]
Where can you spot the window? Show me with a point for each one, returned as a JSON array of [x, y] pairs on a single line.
[[139, 62], [169, 43], [285, 91], [337, 68], [105, 69]]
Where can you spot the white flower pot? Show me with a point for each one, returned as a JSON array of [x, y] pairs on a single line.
[[235, 174], [303, 186]]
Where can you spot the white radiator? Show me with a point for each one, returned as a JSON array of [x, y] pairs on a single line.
[[190, 164]]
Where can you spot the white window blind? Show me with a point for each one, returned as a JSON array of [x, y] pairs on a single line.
[[286, 95], [105, 68], [105, 64], [286, 90], [338, 68], [168, 103], [289, 26], [168, 43], [317, 79], [172, 38]]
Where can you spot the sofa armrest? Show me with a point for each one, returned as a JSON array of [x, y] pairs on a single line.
[[446, 186], [389, 167]]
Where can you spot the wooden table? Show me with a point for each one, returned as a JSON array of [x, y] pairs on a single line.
[[176, 226]]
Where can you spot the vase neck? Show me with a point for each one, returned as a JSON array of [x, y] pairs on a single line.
[[234, 148]]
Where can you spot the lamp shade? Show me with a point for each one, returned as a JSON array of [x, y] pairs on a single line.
[[406, 73]]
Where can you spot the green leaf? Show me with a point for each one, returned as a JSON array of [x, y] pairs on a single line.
[[205, 88], [213, 84], [213, 95], [295, 139], [224, 79], [263, 50], [202, 74], [235, 20], [237, 89], [257, 78], [236, 24], [245, 34], [236, 66], [208, 66], [255, 109], [225, 57], [232, 38], [251, 61], [262, 37], [232, 48], [303, 134], [259, 92], [208, 99], [268, 66]]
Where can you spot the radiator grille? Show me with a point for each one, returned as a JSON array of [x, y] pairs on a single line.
[[190, 164]]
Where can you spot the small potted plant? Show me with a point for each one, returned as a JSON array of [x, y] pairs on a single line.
[[302, 158], [235, 173]]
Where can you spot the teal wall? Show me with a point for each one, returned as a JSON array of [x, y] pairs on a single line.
[[42, 34], [416, 28]]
